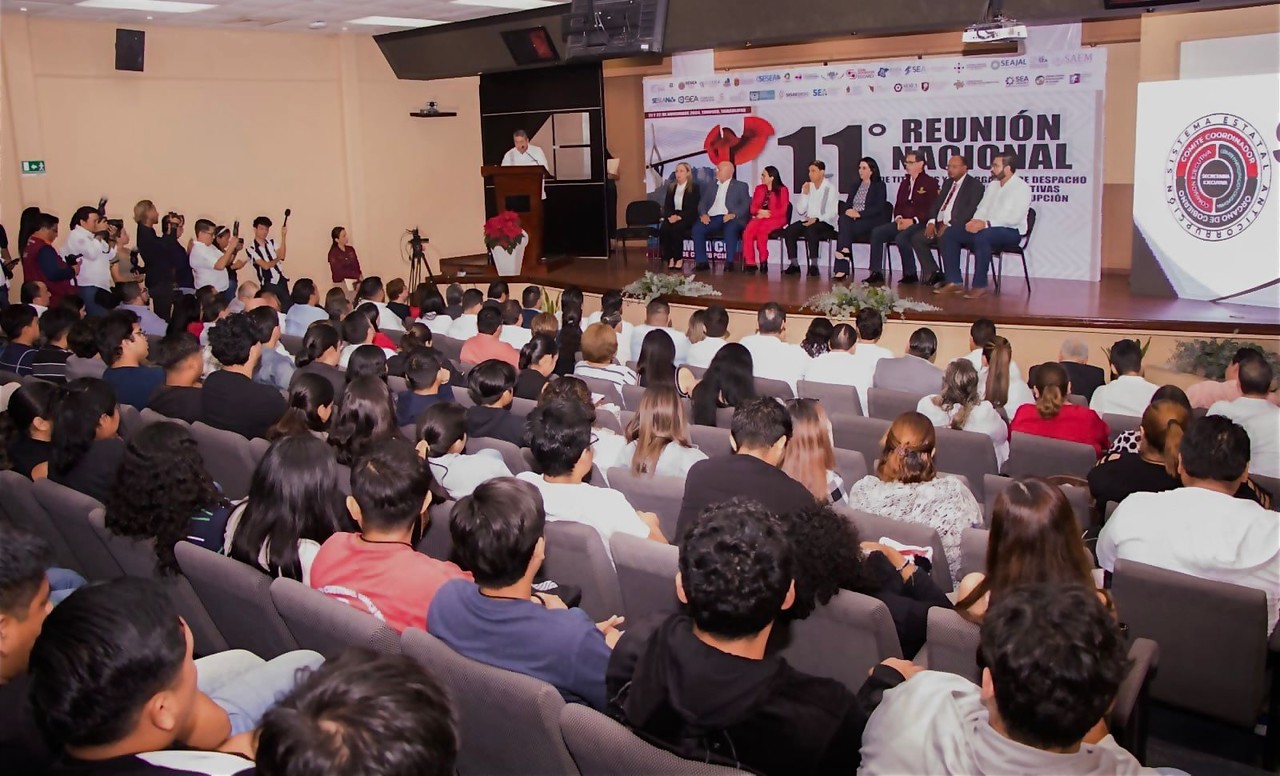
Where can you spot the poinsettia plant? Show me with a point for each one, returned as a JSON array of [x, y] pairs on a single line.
[[503, 231]]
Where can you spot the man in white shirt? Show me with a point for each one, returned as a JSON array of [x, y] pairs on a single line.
[[837, 365], [657, 315], [1201, 529], [858, 367], [980, 333], [1128, 393], [268, 260], [723, 209], [356, 332], [208, 263], [817, 211], [36, 294], [99, 271], [999, 223], [464, 328], [371, 290], [1258, 416], [701, 353], [512, 332], [957, 201], [522, 154], [772, 357]]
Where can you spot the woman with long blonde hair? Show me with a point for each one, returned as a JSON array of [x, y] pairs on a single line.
[[679, 212], [810, 457], [658, 436], [994, 379], [959, 406]]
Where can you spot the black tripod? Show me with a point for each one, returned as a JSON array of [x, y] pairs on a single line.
[[418, 260]]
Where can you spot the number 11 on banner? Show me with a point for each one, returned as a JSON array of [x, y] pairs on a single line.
[[804, 148]]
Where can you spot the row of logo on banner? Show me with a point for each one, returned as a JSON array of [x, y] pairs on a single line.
[[899, 87]]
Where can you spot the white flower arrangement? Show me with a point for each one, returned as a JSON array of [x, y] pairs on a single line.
[[652, 285], [845, 301]]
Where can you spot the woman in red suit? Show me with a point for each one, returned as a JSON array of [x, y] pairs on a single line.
[[768, 213]]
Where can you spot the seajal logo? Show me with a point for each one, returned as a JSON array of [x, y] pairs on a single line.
[[1217, 176]]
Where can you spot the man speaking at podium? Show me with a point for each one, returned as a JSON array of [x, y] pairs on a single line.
[[526, 155]]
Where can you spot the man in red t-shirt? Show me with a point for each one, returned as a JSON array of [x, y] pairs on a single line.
[[378, 570]]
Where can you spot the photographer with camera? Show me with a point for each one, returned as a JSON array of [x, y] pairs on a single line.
[[95, 241], [41, 262], [210, 263], [158, 261]]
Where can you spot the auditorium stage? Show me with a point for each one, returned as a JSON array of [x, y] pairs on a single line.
[[1106, 304]]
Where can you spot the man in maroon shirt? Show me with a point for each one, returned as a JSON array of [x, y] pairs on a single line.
[[41, 261], [910, 211]]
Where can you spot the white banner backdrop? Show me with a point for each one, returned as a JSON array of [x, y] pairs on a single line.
[[1203, 199], [1047, 108]]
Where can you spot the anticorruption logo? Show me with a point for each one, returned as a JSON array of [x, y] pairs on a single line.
[[1217, 176]]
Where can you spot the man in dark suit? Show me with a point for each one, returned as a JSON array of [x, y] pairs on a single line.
[[915, 372], [722, 209], [956, 203], [911, 210], [761, 428], [1074, 357]]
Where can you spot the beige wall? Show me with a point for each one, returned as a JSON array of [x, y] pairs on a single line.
[[231, 125]]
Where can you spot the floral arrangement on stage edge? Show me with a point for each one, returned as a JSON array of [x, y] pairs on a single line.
[[846, 301], [652, 285], [503, 231], [1211, 357]]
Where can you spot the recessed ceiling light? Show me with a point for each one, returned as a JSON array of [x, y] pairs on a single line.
[[318, 25], [394, 21], [156, 6], [24, 10], [513, 5]]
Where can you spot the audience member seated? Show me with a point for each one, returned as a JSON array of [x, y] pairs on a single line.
[[981, 332], [246, 292], [230, 399], [378, 570], [321, 355], [397, 299], [432, 315], [416, 335], [465, 325], [512, 332], [134, 298], [1131, 441], [1206, 393], [499, 293], [657, 315], [87, 447], [84, 360], [701, 685], [599, 351], [180, 356], [810, 457], [50, 361], [428, 380], [1256, 415], [537, 364], [913, 372], [36, 293], [906, 487], [500, 621], [817, 340], [380, 715], [761, 429], [357, 331], [657, 366], [454, 300], [658, 437], [728, 382], [275, 368], [1201, 529], [487, 343], [21, 327], [1053, 660], [1055, 417], [367, 361], [336, 305], [960, 407], [569, 340], [1034, 539], [26, 429], [371, 291], [606, 444], [1128, 393], [614, 321], [311, 402], [442, 441], [838, 365], [25, 602], [491, 386], [1154, 468], [610, 307], [295, 504], [868, 353], [998, 382], [366, 419], [829, 558], [772, 356], [305, 309], [124, 348], [705, 349], [531, 300], [1073, 356]]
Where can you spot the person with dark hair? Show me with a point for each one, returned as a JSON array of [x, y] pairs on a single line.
[[124, 348], [442, 442], [180, 356], [21, 327], [498, 292], [1053, 661], [560, 441], [727, 383], [487, 343], [453, 300], [701, 352], [867, 208], [491, 386], [187, 315], [657, 315], [311, 403], [336, 305], [428, 379], [1201, 529], [817, 339], [210, 264], [772, 357], [817, 212], [1000, 221], [305, 309], [1256, 415], [26, 429], [530, 299], [497, 533], [380, 715], [611, 308], [359, 328], [268, 260], [916, 194], [373, 292], [466, 325], [366, 419], [837, 365], [94, 257], [344, 263], [135, 299], [1206, 393], [656, 364], [230, 399], [25, 602], [87, 447], [761, 429], [321, 354], [512, 332], [914, 371], [398, 298], [295, 504], [84, 360], [378, 570], [537, 364], [41, 261], [274, 368], [769, 203], [1055, 417], [36, 294], [164, 495], [998, 380], [431, 312], [1128, 393], [701, 684]]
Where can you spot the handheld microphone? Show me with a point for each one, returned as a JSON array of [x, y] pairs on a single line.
[[287, 213], [102, 207], [235, 229]]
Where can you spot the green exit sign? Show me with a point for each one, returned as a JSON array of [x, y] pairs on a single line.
[[34, 167]]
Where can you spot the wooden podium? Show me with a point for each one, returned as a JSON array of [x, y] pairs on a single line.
[[519, 188]]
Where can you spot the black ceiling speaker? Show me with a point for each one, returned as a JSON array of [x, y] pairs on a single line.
[[130, 49]]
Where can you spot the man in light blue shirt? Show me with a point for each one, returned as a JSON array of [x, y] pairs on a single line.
[[136, 299], [306, 308], [275, 368]]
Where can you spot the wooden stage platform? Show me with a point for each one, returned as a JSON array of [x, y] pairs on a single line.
[[1106, 304]]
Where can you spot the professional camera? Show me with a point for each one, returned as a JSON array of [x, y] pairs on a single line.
[[171, 222]]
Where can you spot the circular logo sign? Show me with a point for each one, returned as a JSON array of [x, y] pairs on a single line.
[[1217, 176]]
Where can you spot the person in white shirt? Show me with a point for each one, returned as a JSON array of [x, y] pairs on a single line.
[[560, 441], [599, 358], [980, 333], [306, 308], [36, 294], [1258, 416], [957, 201], [1000, 222], [99, 270], [1202, 529], [442, 441], [772, 357], [1128, 393], [701, 352], [357, 331], [464, 327], [996, 381], [657, 315], [268, 260], [960, 406], [837, 366], [371, 290], [611, 302], [817, 211], [658, 437], [512, 332], [522, 154], [208, 263]]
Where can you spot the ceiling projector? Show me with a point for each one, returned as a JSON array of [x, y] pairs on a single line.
[[993, 32]]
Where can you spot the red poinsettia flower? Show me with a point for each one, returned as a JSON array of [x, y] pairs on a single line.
[[503, 231]]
